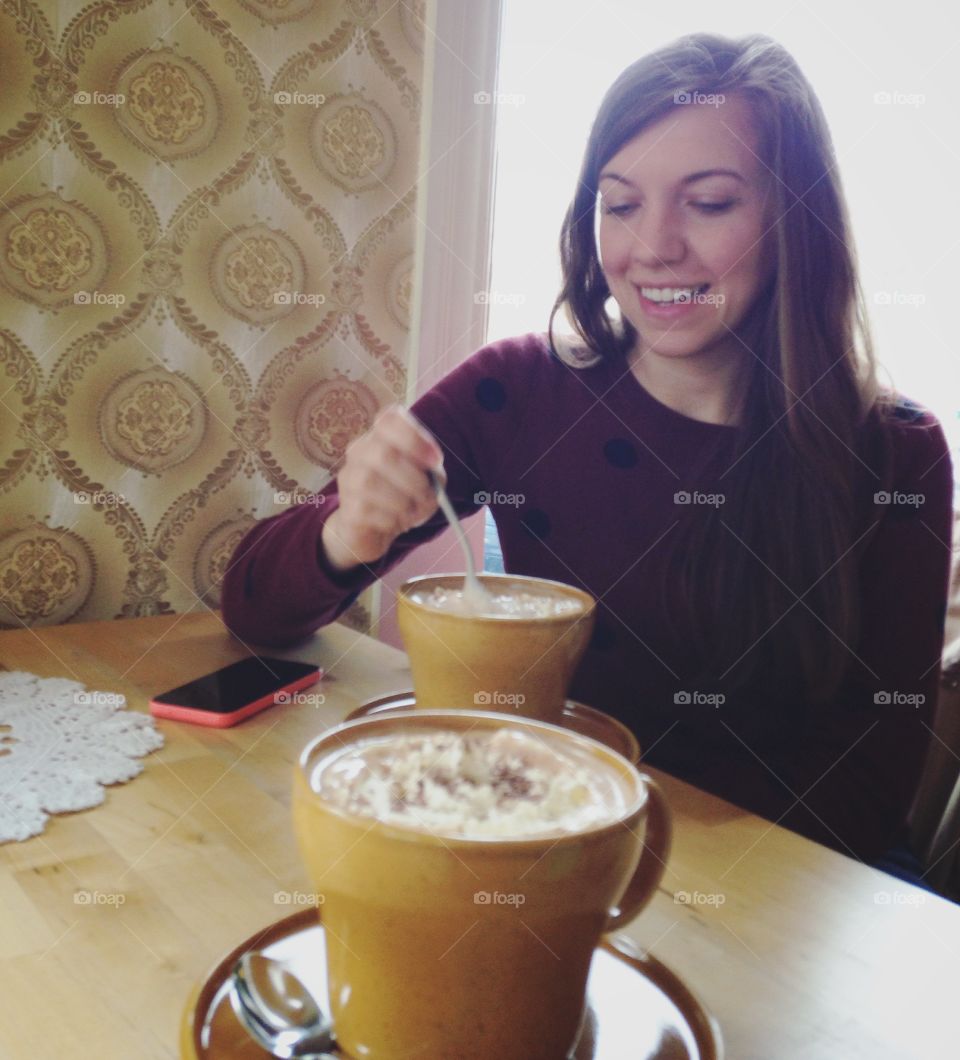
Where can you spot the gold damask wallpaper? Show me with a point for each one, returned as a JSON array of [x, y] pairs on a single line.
[[206, 250]]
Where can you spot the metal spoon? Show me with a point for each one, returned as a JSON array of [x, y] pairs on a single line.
[[279, 1012], [475, 596]]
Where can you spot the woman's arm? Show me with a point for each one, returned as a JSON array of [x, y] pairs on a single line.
[[302, 569], [281, 585]]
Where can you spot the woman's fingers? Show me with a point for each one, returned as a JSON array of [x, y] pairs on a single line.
[[383, 485], [387, 468], [400, 428]]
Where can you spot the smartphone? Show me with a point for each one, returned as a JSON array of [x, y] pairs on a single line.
[[237, 691]]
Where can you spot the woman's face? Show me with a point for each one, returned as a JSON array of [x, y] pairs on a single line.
[[682, 225]]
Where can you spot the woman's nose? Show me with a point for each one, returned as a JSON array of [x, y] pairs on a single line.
[[659, 239]]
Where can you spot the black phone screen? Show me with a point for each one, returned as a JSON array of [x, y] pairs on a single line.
[[236, 685]]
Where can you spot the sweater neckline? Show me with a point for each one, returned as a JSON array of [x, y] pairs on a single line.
[[637, 393]]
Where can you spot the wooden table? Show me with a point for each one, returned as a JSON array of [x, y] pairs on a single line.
[[799, 952]]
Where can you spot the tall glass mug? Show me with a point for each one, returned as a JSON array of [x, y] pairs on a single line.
[[518, 659], [477, 944]]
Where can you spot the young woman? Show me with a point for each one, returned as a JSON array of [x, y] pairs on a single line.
[[711, 457]]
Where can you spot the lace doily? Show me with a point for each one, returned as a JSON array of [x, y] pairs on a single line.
[[59, 744]]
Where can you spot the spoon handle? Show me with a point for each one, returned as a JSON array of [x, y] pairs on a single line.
[[447, 508]]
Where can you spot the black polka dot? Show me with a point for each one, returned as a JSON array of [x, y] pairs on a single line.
[[536, 522], [620, 453], [603, 637], [490, 395]]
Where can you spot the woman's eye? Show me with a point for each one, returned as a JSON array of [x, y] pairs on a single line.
[[714, 207], [621, 210]]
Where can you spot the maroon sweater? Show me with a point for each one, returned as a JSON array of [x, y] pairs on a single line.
[[582, 467]]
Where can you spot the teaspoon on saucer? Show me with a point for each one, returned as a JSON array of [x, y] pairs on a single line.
[[279, 1012]]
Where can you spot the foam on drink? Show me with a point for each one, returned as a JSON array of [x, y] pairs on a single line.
[[502, 783], [512, 603]]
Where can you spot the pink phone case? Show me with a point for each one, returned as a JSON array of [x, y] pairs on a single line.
[[195, 716]]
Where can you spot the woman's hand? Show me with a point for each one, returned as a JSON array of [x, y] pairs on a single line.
[[384, 489]]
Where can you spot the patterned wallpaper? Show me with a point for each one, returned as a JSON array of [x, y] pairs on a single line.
[[206, 248]]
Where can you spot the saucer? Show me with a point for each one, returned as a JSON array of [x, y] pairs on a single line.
[[636, 1006], [577, 717]]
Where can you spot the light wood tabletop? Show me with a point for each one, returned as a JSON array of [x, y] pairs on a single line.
[[798, 952]]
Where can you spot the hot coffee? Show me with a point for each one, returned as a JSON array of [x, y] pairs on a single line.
[[469, 863], [517, 653]]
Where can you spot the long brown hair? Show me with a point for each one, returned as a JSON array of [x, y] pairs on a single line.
[[731, 580]]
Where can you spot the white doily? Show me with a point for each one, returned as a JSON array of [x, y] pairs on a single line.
[[62, 745]]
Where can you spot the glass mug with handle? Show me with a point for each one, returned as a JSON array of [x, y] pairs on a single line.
[[469, 863]]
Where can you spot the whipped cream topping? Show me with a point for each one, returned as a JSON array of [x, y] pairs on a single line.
[[502, 783], [509, 603]]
